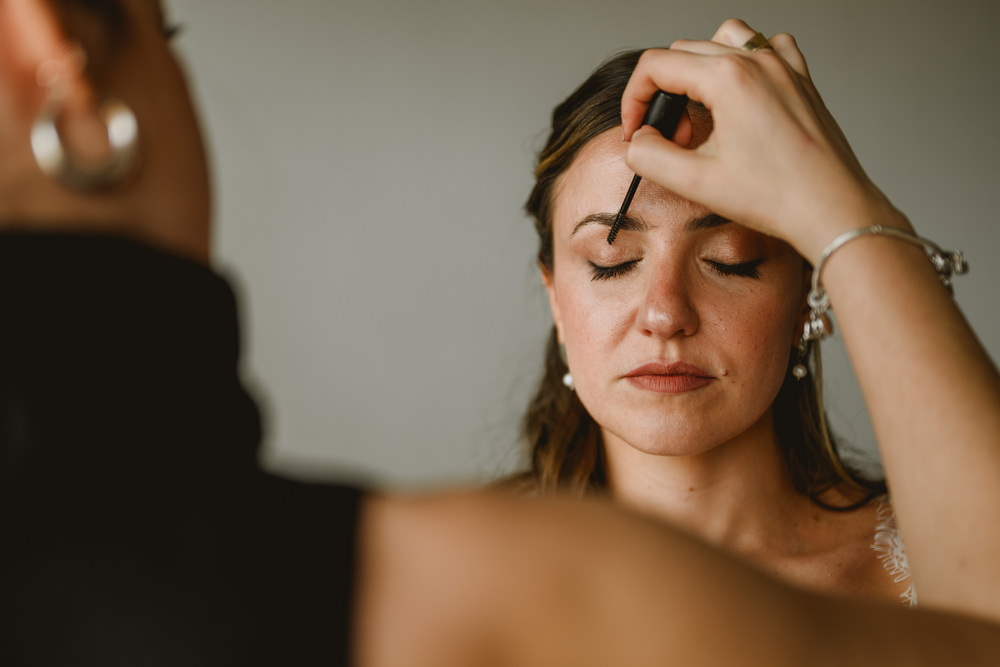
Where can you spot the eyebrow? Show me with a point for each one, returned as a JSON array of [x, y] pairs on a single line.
[[707, 221], [608, 219]]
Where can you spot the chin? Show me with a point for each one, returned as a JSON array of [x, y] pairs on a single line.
[[663, 440]]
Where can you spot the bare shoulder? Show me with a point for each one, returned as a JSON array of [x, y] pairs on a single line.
[[443, 577], [477, 579], [411, 554], [856, 562], [486, 578]]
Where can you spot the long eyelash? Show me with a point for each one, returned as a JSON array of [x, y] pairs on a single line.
[[745, 269], [609, 272]]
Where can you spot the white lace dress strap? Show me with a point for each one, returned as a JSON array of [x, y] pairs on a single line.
[[892, 552]]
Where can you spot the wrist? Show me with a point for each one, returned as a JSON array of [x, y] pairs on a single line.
[[877, 210], [946, 264]]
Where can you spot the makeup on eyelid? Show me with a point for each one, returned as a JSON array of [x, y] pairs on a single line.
[[668, 355], [737, 254]]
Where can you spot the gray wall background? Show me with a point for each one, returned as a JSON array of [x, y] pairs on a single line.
[[372, 156]]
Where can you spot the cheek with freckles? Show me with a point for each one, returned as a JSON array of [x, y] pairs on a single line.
[[757, 341], [591, 327]]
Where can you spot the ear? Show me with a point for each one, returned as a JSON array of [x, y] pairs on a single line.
[[550, 289], [31, 36]]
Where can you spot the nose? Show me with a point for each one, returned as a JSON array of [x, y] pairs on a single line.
[[668, 308]]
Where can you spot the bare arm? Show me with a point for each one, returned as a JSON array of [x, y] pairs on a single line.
[[934, 397], [778, 162], [475, 579]]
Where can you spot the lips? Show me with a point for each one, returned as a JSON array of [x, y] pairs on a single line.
[[676, 378]]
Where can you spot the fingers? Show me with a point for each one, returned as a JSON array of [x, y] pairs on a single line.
[[667, 163], [656, 66], [649, 153], [734, 33], [675, 71], [786, 47], [774, 159], [672, 71]]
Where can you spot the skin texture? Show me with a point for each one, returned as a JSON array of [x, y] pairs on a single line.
[[671, 301], [463, 579], [473, 579], [934, 396], [166, 201], [681, 285]]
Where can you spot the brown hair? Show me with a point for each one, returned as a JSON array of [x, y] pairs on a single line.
[[564, 441], [101, 26], [108, 11]]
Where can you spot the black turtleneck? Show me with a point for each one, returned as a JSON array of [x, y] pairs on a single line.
[[136, 526]]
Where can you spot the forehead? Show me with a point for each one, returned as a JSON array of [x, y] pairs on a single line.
[[597, 180]]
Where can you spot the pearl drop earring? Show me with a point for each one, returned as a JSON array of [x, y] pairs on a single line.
[[568, 378], [568, 381]]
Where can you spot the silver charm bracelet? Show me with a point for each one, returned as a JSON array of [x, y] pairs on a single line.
[[945, 262]]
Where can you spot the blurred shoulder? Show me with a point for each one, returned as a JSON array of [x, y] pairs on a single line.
[[436, 576]]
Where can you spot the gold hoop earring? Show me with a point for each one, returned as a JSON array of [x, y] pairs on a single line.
[[56, 162]]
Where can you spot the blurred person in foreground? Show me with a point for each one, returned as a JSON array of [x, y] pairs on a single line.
[[137, 526]]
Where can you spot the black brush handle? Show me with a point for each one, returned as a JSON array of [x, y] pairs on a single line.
[[663, 114]]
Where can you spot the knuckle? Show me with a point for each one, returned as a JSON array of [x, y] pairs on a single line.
[[746, 69], [784, 39], [733, 27], [647, 57]]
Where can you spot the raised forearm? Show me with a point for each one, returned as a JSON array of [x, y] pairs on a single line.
[[934, 398]]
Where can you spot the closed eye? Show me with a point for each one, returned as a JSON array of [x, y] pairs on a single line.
[[609, 272], [745, 269]]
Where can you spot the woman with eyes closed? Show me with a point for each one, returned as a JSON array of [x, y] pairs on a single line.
[[140, 531], [670, 381]]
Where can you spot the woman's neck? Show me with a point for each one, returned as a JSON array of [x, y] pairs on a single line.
[[736, 495]]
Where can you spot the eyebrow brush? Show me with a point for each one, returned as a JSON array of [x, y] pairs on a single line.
[[664, 113]]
